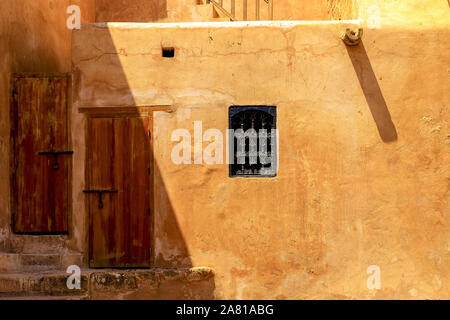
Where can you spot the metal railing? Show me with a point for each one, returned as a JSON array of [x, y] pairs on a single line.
[[231, 11]]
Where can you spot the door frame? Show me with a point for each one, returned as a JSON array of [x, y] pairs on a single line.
[[119, 112], [13, 109]]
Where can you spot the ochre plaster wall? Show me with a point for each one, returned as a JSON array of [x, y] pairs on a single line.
[[33, 38], [363, 154]]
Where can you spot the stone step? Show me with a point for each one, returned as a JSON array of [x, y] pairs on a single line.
[[38, 243], [40, 261], [49, 283], [9, 262], [12, 262], [81, 297]]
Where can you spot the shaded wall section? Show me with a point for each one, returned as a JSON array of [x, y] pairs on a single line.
[[169, 249], [33, 38]]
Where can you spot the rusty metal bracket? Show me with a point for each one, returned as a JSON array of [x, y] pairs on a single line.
[[352, 38], [55, 154], [100, 195]]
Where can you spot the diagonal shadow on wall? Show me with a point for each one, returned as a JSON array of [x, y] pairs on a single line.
[[372, 92], [171, 250], [93, 88]]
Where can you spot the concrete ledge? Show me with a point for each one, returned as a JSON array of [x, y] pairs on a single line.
[[228, 24], [151, 284]]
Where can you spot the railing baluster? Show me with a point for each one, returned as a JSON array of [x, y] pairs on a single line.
[[218, 4], [231, 13], [257, 9], [245, 10], [270, 9], [233, 8]]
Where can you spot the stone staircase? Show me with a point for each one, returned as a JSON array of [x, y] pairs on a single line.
[[41, 274], [28, 253], [232, 10], [36, 266], [47, 284], [240, 10]]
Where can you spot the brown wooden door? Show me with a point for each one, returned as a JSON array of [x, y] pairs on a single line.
[[40, 189], [119, 160]]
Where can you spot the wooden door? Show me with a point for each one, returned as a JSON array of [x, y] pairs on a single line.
[[40, 154], [119, 172]]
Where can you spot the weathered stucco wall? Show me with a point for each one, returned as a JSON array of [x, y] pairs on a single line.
[[33, 38], [364, 176], [412, 14], [364, 142]]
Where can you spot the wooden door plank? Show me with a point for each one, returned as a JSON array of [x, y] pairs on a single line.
[[101, 144], [123, 181], [120, 232], [139, 210], [53, 120], [40, 192]]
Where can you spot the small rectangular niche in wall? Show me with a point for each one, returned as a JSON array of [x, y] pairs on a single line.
[[253, 141], [168, 52]]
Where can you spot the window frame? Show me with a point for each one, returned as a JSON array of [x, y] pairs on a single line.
[[235, 110]]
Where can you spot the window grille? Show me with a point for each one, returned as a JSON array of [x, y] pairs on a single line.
[[252, 141]]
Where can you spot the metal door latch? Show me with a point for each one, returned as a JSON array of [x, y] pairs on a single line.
[[55, 154], [100, 195]]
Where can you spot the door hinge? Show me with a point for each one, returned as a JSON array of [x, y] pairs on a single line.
[[149, 171], [13, 219], [149, 134], [149, 212]]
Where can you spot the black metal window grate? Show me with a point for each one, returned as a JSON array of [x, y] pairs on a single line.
[[252, 148]]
